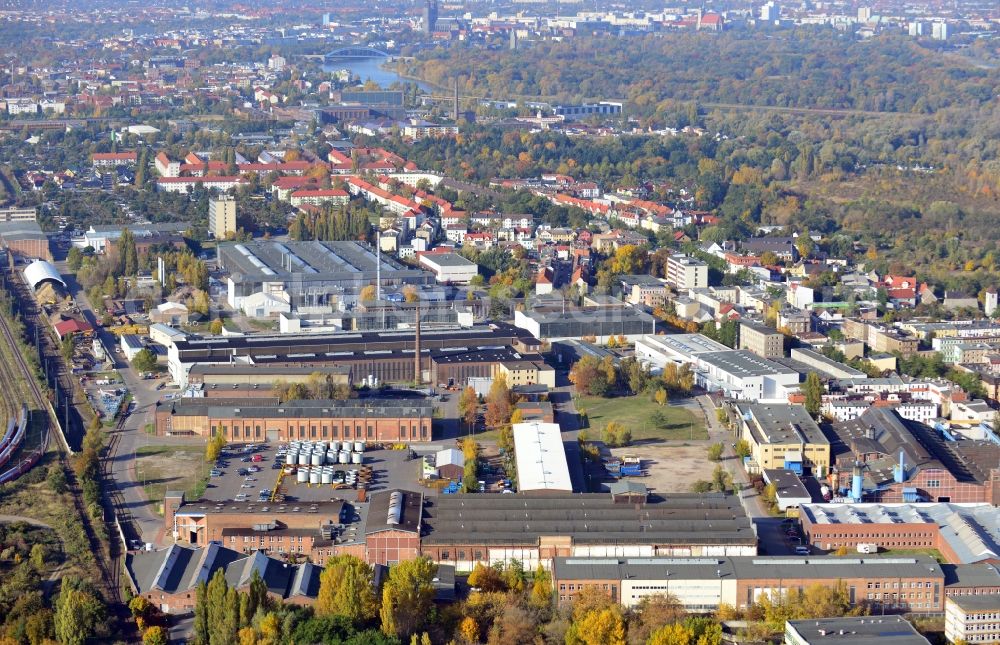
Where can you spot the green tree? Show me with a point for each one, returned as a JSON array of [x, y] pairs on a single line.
[[74, 259], [200, 624], [223, 610], [38, 557], [67, 346], [144, 360], [721, 480], [470, 476], [56, 478], [346, 589], [743, 449], [813, 389], [128, 256], [407, 597], [715, 451], [77, 613], [635, 374], [804, 244]]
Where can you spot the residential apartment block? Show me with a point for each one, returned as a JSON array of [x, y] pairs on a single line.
[[685, 272], [221, 216]]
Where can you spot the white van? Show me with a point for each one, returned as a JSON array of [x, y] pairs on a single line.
[[868, 548]]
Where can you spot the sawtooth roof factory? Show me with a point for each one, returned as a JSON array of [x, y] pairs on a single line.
[[264, 275]]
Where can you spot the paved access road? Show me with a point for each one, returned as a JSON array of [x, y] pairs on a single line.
[[130, 435], [769, 529]]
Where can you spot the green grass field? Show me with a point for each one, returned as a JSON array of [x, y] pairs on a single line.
[[635, 412]]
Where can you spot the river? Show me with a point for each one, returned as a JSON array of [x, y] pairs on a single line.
[[371, 68]]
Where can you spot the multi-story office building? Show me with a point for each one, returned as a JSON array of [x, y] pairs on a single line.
[[761, 340], [891, 584], [784, 436], [972, 619]]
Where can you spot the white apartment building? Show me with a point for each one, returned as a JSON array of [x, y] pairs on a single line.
[[221, 217], [685, 272]]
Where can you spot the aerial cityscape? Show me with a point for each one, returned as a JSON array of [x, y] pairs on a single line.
[[540, 322]]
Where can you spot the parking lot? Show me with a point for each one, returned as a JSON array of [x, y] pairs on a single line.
[[257, 471]]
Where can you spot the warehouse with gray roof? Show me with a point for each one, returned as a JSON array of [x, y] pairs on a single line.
[[311, 274]]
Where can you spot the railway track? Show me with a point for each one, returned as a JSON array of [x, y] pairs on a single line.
[[108, 562]]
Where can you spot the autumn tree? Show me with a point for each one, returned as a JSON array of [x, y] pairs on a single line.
[[215, 446], [155, 635], [616, 434], [661, 397], [583, 373], [598, 627], [407, 597], [468, 405], [721, 480], [715, 451], [367, 293], [346, 589], [486, 579], [634, 374], [541, 588], [672, 634], [629, 259], [652, 612], [468, 629], [499, 403], [592, 376]]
